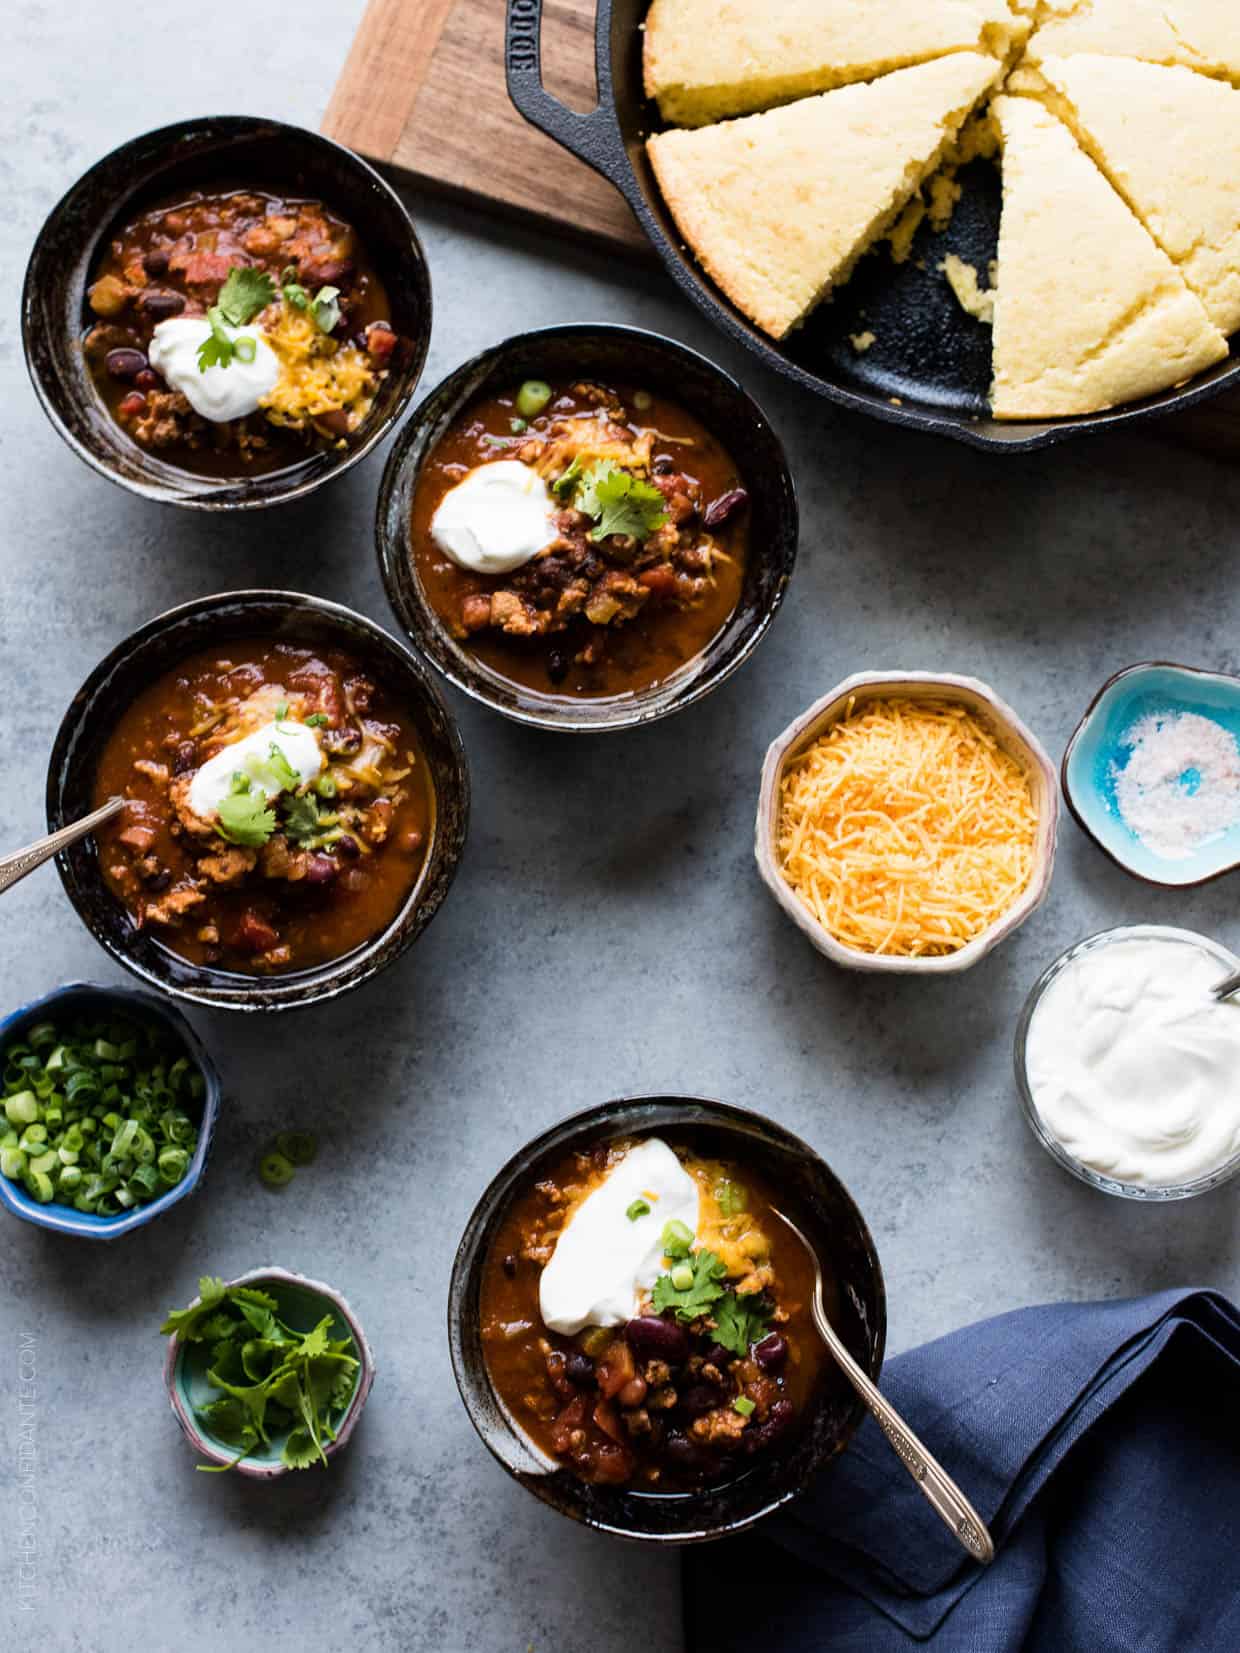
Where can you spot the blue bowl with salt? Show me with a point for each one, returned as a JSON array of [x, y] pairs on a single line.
[[1152, 773]]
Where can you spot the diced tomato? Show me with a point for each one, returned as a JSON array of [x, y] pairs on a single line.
[[660, 581], [615, 1369], [254, 934]]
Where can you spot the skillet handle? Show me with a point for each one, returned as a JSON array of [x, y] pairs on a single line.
[[593, 137]]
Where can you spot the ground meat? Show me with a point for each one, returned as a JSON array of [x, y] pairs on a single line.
[[158, 772], [172, 907], [228, 866], [722, 1427]]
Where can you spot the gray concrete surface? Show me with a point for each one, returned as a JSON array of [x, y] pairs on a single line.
[[607, 935]]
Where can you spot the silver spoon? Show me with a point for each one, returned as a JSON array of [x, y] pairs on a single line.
[[936, 1484], [1225, 988], [22, 861]]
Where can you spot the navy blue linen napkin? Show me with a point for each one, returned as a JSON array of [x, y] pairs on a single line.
[[1100, 1442]]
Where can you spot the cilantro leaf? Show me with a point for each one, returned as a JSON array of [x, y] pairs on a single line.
[[740, 1321], [564, 485], [300, 1450], [620, 502], [216, 350], [245, 819], [326, 309], [696, 1299], [244, 294], [189, 1324], [301, 818]]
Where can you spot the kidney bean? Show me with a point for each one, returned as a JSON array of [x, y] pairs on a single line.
[[771, 1352], [718, 1356], [321, 869], [335, 423], [148, 379], [765, 1434], [130, 406], [158, 306], [125, 364], [719, 510], [347, 847], [580, 1368], [410, 841], [653, 1338]]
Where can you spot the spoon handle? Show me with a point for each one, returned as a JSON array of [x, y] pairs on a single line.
[[1225, 988], [22, 861], [936, 1484]]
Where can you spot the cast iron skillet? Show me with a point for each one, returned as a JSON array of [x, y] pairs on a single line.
[[930, 366]]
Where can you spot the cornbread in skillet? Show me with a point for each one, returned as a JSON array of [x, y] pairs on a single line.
[[1169, 141], [1090, 311], [1201, 34], [780, 206], [705, 60]]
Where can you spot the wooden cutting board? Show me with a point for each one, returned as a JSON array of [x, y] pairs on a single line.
[[423, 90]]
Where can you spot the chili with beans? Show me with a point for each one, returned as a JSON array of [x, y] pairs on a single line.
[[658, 1404], [592, 616], [327, 864], [173, 260]]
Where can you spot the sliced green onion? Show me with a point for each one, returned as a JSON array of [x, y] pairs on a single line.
[[532, 398], [325, 786], [298, 1147], [245, 348], [677, 1240], [22, 1109], [682, 1276], [39, 1186], [516, 426], [172, 1164], [743, 1405], [12, 1164], [275, 1170], [282, 711], [639, 1208]]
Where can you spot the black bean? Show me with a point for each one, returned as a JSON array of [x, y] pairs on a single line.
[[510, 1261], [719, 510], [771, 1352], [125, 364], [701, 1397], [654, 1339], [687, 1456], [159, 306], [557, 665], [580, 1368], [156, 261], [765, 1434]]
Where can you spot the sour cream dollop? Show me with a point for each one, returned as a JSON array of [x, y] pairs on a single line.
[[1132, 1065], [604, 1260], [252, 757], [497, 519], [219, 393]]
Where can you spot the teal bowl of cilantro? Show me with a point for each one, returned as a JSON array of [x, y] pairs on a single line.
[[266, 1373], [108, 1109]]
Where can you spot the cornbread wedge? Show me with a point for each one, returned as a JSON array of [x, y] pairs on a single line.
[[705, 60], [1200, 34], [1090, 312], [779, 207], [1169, 141]]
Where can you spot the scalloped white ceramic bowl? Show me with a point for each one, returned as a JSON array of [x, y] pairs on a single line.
[[1013, 736]]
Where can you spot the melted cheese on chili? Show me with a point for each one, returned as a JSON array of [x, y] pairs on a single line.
[[906, 828], [318, 374]]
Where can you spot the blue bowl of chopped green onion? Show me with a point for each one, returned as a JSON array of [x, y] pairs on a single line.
[[108, 1103]]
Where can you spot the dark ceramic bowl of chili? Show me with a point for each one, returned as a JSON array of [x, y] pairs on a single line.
[[334, 287], [297, 800], [646, 592], [673, 1430]]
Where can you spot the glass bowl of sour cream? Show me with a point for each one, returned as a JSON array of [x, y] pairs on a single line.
[[1127, 1066]]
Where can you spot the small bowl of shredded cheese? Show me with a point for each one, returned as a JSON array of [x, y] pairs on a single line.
[[907, 822]]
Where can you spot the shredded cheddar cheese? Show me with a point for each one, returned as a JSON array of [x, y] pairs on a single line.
[[906, 828], [318, 374]]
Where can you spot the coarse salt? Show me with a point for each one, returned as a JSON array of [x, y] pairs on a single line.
[[1181, 784]]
